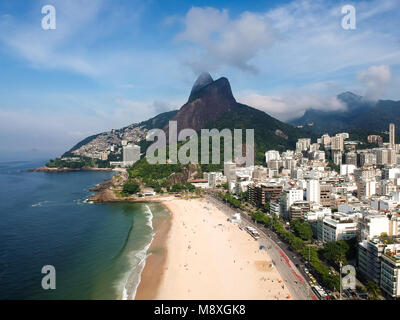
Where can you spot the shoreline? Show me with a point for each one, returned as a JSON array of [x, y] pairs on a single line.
[[56, 170], [151, 275]]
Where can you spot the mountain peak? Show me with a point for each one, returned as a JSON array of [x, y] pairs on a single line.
[[204, 79], [208, 101], [349, 97]]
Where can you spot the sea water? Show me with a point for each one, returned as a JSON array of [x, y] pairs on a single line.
[[98, 250]]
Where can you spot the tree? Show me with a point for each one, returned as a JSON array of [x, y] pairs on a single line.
[[373, 290], [267, 206], [302, 229], [177, 187], [189, 187], [131, 187], [336, 251]]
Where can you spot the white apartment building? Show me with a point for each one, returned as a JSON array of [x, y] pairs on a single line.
[[313, 193], [372, 225], [297, 173], [314, 218], [289, 197], [337, 143], [366, 188], [303, 144], [275, 208], [337, 157], [390, 173], [347, 169], [272, 155], [339, 226]]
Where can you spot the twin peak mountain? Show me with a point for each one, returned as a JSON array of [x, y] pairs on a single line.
[[211, 104]]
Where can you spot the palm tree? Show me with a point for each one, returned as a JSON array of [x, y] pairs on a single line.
[[373, 290]]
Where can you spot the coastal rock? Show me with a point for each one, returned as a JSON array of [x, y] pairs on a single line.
[[191, 172]]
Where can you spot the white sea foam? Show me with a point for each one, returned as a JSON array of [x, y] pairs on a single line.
[[132, 284], [40, 204]]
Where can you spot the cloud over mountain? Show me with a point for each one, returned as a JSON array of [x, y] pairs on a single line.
[[224, 40], [375, 80]]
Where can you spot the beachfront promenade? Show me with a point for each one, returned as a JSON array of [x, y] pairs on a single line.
[[280, 255]]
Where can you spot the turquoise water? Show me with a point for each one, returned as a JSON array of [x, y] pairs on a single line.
[[96, 249]]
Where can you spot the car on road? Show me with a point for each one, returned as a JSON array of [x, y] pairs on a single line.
[[363, 295], [347, 294]]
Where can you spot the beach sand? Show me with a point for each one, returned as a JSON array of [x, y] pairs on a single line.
[[200, 255]]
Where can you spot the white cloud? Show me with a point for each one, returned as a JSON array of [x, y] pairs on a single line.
[[223, 40], [299, 41], [55, 48], [375, 80], [291, 105]]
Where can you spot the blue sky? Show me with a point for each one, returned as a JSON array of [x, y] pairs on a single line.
[[111, 63]]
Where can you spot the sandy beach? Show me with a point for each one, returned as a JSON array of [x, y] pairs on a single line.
[[200, 255]]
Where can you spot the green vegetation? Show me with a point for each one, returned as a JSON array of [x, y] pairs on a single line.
[[340, 250], [154, 176], [130, 187], [148, 172], [373, 290], [232, 200], [361, 289], [177, 187], [269, 133], [267, 206], [386, 238], [334, 252], [79, 164], [189, 187], [302, 229], [333, 166]]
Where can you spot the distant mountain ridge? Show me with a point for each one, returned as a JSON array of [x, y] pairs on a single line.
[[359, 114]]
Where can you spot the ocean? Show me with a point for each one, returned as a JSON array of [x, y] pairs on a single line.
[[97, 250]]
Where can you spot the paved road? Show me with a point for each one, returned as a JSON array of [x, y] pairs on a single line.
[[284, 259]]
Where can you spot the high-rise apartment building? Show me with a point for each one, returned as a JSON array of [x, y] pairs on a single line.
[[337, 143], [392, 133], [351, 158], [303, 144], [366, 188], [313, 192], [337, 157]]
